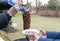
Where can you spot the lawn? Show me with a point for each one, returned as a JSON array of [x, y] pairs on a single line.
[[37, 22]]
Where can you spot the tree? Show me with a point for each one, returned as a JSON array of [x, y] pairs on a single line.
[[39, 5], [20, 0], [36, 6], [52, 5]]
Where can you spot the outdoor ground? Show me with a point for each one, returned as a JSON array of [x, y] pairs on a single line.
[[37, 22]]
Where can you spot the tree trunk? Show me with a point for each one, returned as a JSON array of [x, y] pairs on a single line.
[[36, 7], [22, 1], [26, 20], [39, 4]]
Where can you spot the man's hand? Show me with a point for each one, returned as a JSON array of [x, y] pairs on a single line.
[[43, 33]]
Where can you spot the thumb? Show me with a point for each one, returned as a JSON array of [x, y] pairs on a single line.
[[43, 32]]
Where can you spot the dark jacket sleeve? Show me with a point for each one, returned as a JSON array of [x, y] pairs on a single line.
[[4, 20], [48, 39], [53, 35], [45, 39]]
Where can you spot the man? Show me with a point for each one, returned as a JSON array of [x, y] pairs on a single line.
[[6, 16]]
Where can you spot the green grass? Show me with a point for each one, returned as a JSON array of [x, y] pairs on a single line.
[[46, 23], [37, 22]]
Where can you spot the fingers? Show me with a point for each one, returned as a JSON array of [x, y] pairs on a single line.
[[43, 32]]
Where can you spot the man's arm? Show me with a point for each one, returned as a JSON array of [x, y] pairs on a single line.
[[6, 17], [4, 20], [53, 35], [50, 34]]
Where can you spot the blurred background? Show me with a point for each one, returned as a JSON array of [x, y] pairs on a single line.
[[45, 14]]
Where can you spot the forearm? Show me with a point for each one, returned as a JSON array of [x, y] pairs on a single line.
[[52, 35]]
